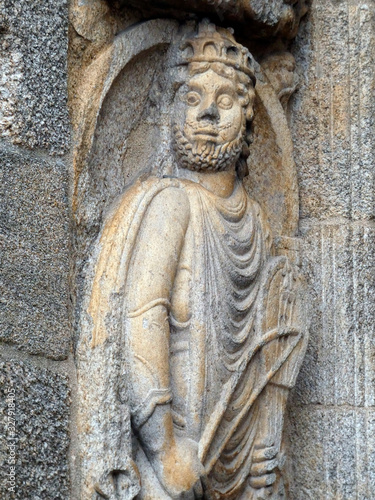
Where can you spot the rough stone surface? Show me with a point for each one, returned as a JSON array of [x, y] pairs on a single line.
[[33, 83], [332, 419], [336, 452], [185, 233], [332, 119], [332, 410], [265, 18], [339, 262], [40, 435], [333, 111], [34, 246], [121, 152]]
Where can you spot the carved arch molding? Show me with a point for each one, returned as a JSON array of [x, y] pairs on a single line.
[[120, 114]]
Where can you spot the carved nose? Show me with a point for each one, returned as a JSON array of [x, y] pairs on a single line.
[[211, 113]]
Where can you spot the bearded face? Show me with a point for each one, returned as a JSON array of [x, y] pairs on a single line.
[[208, 123]]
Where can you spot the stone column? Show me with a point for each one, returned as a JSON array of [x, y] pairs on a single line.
[[332, 415]]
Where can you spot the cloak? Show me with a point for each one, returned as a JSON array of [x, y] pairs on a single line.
[[263, 309]]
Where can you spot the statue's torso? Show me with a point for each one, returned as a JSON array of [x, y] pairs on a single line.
[[213, 301]]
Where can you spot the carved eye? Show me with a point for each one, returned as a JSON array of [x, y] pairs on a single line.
[[193, 98], [225, 101]]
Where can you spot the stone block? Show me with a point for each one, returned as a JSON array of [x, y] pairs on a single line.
[[332, 114], [34, 254], [35, 443], [33, 82], [338, 262], [331, 453]]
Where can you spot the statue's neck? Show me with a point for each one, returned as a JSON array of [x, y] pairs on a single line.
[[219, 183]]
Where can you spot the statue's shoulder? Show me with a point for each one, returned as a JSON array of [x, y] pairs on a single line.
[[153, 196], [147, 188], [167, 195], [173, 192]]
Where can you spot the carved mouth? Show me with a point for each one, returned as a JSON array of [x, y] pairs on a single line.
[[210, 133]]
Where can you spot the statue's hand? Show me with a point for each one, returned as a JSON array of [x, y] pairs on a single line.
[[262, 472], [118, 484], [179, 470]]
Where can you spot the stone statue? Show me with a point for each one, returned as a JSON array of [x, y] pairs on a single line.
[[193, 330]]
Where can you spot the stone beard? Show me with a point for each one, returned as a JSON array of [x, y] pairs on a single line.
[[203, 155], [209, 119]]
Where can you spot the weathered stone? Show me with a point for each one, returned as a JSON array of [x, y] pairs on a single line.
[[38, 401], [332, 420], [332, 119], [192, 330], [332, 451], [339, 263], [255, 18], [333, 112], [34, 232], [33, 83]]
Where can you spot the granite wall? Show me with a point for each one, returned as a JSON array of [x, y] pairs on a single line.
[[332, 410], [35, 325]]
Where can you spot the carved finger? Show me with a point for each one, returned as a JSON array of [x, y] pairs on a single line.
[[264, 493], [261, 468], [268, 491], [262, 481], [266, 453]]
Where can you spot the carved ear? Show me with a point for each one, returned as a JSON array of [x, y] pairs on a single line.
[[250, 106]]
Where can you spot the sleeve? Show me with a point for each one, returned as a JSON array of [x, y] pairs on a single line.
[[149, 286]]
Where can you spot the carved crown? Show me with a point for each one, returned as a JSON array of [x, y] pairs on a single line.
[[212, 44]]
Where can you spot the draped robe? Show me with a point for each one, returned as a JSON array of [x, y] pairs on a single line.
[[223, 347]]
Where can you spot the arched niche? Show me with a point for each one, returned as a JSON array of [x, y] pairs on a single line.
[[122, 128]]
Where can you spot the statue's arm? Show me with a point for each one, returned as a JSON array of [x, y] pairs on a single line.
[[149, 287], [150, 280]]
